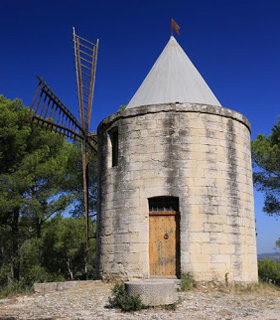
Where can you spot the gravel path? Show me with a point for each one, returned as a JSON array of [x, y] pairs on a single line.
[[91, 302]]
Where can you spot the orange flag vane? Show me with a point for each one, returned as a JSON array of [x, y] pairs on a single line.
[[175, 27]]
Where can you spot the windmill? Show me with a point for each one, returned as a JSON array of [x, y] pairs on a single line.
[[50, 113]]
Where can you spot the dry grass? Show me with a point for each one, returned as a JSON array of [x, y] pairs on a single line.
[[260, 289]]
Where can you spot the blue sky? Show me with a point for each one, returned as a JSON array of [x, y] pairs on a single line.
[[235, 44]]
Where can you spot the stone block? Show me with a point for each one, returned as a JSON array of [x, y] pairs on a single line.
[[195, 248], [199, 237], [199, 267], [198, 257], [196, 226], [220, 258], [215, 237], [217, 219], [209, 248], [46, 287], [212, 227], [227, 248]]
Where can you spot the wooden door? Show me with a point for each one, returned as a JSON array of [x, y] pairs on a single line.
[[164, 243]]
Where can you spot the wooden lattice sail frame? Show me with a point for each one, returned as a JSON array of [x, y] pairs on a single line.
[[50, 113]]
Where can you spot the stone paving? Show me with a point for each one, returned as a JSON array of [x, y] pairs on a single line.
[[91, 302]]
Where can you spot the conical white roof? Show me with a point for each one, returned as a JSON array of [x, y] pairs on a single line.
[[173, 78]]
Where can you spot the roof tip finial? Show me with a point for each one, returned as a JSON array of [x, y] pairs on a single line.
[[174, 26]]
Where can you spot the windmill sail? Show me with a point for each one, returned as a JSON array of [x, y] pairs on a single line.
[[50, 113], [85, 53]]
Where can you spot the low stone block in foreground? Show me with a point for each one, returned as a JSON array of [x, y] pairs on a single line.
[[153, 292], [61, 286]]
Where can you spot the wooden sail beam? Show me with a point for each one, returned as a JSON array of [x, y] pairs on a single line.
[[85, 53]]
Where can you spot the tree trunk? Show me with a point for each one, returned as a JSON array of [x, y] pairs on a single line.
[[68, 263], [15, 245], [38, 227]]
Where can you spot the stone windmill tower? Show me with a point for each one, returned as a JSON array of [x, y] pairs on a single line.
[[175, 183]]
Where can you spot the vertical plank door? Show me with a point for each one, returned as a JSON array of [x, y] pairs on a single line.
[[163, 243]]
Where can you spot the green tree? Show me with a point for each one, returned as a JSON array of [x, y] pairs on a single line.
[[33, 166], [266, 165], [63, 247], [269, 271], [58, 255], [40, 180]]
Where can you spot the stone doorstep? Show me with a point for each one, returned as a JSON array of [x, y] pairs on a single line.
[[154, 291]]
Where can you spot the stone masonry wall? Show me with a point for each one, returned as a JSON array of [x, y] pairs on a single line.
[[199, 153]]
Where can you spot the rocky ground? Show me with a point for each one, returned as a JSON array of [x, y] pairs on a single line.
[[91, 302]]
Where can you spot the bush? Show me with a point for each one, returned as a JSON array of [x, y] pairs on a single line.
[[187, 281], [121, 299], [269, 271], [14, 288]]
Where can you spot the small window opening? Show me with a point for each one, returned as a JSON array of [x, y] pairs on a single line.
[[114, 136], [159, 204]]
